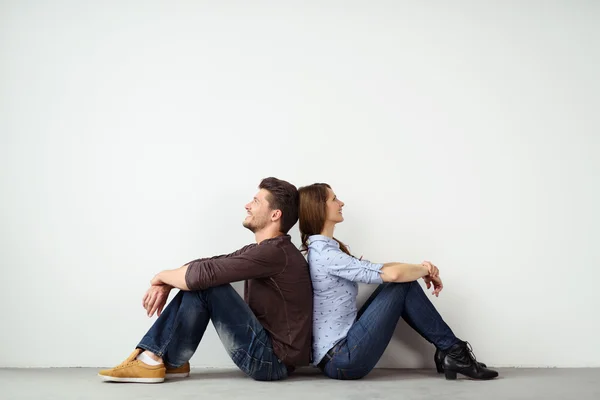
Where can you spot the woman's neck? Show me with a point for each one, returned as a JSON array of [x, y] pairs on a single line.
[[328, 229]]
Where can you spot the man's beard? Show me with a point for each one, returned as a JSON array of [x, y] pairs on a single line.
[[252, 226]]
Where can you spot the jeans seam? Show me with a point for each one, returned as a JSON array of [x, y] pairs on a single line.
[[260, 363], [256, 337], [161, 353]]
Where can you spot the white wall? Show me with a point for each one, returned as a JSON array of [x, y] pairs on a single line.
[[133, 133]]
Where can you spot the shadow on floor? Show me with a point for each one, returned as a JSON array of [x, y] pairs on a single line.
[[309, 373]]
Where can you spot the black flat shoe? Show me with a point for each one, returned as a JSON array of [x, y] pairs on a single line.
[[461, 360], [439, 361]]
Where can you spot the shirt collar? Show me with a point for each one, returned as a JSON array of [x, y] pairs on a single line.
[[280, 238], [322, 238]]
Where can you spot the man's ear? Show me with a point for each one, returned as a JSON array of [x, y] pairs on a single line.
[[276, 215]]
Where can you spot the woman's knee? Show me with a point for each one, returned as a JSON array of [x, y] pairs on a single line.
[[401, 286], [408, 285]]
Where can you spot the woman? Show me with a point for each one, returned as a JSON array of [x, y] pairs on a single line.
[[347, 343]]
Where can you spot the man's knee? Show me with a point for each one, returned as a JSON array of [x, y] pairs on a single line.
[[261, 376], [220, 291]]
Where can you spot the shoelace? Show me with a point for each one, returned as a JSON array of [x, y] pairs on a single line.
[[470, 352], [126, 363]]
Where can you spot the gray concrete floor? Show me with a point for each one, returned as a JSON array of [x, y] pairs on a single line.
[[82, 383]]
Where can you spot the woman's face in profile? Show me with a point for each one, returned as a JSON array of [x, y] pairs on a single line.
[[334, 207]]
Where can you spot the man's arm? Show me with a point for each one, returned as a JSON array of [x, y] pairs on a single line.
[[235, 253], [176, 277], [171, 277], [257, 262]]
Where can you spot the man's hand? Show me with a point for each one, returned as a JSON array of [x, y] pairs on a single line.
[[155, 299], [157, 280], [437, 284]]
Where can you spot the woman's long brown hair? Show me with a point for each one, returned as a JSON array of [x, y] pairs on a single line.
[[313, 212]]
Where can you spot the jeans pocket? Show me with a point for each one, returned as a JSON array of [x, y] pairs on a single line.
[[253, 367]]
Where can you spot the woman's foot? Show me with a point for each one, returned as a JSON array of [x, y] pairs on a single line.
[[461, 360], [438, 358]]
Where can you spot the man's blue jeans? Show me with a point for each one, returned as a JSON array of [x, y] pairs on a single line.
[[356, 355], [177, 332]]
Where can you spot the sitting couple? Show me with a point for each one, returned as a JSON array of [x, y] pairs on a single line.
[[291, 312]]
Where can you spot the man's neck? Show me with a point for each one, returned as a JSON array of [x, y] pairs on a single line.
[[264, 235]]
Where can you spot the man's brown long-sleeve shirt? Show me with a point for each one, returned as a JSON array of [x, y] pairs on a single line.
[[278, 290]]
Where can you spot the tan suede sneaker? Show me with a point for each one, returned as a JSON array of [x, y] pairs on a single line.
[[132, 370], [181, 372]]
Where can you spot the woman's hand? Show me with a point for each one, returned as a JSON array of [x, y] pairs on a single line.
[[433, 270], [437, 284], [433, 278]]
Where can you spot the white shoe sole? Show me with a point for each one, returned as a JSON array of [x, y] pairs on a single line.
[[131, 380], [180, 375]]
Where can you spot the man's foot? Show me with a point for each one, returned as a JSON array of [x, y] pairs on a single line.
[[180, 372], [461, 360], [134, 370]]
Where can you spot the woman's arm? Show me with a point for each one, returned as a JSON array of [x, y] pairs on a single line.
[[345, 266], [401, 272]]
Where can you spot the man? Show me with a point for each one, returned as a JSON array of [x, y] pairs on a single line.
[[267, 335]]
